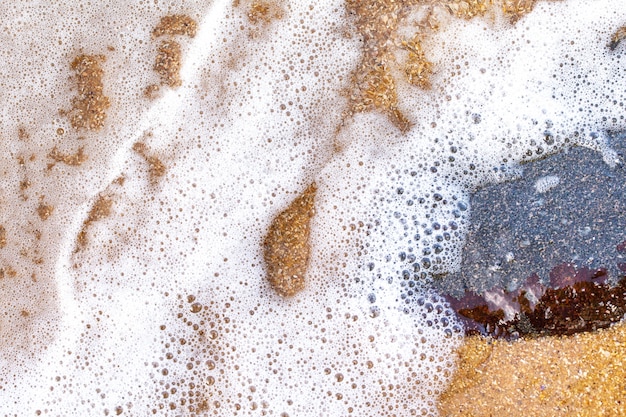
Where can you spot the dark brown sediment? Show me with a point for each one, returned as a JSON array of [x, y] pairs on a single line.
[[577, 300]]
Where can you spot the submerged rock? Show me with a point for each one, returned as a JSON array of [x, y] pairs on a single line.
[[543, 260]]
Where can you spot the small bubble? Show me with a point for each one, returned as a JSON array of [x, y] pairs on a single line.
[[548, 138]]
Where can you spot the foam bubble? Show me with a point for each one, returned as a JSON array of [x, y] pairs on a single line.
[[546, 183], [134, 282]]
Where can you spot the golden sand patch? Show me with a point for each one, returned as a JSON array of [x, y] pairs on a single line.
[[44, 211], [582, 375], [377, 22], [156, 168], [286, 246], [90, 105], [373, 85], [417, 69], [69, 159], [177, 24], [151, 91], [100, 209], [169, 56], [168, 63], [263, 11], [8, 272], [467, 9], [22, 133], [516, 9], [259, 10]]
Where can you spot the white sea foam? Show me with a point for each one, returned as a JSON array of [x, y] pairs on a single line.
[[166, 310], [546, 183]]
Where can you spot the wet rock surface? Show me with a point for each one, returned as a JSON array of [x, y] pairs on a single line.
[[546, 254]]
